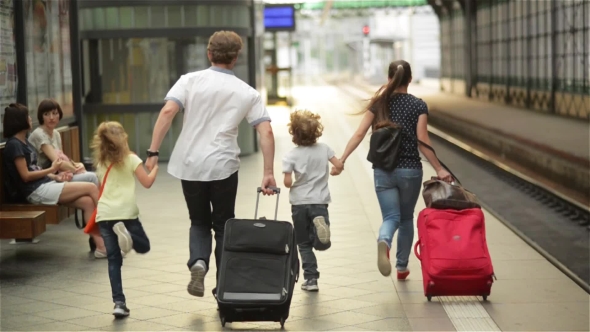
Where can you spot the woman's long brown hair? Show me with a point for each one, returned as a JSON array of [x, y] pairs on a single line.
[[399, 74]]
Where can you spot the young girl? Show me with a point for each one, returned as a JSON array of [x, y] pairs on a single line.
[[309, 195], [117, 212], [27, 181]]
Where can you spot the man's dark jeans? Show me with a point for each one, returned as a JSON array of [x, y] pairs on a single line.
[[141, 245], [210, 204], [303, 216]]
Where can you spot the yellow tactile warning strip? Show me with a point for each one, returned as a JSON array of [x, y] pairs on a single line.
[[467, 314]]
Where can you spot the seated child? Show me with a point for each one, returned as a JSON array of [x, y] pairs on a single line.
[[309, 194]]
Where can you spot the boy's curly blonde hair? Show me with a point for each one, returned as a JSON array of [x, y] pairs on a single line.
[[305, 127]]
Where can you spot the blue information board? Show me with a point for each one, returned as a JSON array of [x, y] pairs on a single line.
[[279, 18]]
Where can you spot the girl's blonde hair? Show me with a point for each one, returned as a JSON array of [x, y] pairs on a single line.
[[109, 145]]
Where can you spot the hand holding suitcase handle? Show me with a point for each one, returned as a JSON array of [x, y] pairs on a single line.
[[275, 190]]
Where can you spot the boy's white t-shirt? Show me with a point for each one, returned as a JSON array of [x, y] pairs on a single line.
[[118, 197], [311, 167]]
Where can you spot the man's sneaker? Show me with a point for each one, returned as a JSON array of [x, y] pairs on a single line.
[[402, 275], [310, 285], [120, 310], [383, 258], [322, 229], [125, 240], [196, 287]]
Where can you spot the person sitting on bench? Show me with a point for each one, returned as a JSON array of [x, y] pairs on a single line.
[[47, 143], [42, 186]]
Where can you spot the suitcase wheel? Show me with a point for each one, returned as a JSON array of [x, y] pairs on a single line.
[[429, 298], [282, 322], [485, 297], [222, 321]]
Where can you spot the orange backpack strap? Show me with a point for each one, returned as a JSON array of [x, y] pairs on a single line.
[[104, 180]]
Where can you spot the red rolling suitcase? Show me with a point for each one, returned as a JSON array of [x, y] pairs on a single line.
[[453, 252]]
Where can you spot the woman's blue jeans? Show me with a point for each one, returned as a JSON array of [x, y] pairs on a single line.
[[397, 192]]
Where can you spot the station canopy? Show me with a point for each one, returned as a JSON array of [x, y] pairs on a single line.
[[359, 4]]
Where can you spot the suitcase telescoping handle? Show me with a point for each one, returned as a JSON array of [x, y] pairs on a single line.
[[277, 191]]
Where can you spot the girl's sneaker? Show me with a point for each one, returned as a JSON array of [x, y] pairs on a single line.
[[120, 310], [102, 254], [125, 240]]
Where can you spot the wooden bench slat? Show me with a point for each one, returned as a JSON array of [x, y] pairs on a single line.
[[21, 224], [54, 214]]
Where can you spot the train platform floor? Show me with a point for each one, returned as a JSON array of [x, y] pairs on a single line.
[[546, 131], [56, 285]]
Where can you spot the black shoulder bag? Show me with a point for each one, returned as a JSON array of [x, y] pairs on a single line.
[[384, 147]]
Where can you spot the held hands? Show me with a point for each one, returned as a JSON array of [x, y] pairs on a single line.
[[151, 162], [337, 170]]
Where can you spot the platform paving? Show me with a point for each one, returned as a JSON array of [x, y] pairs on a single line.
[[56, 285]]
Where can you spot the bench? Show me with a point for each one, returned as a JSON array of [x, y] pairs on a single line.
[[51, 214], [21, 225]]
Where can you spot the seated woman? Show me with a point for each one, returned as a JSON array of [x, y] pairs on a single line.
[[47, 143], [42, 186]]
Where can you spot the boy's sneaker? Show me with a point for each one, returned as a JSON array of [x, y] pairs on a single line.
[[310, 285], [125, 240], [196, 287], [402, 275], [322, 229], [120, 310], [383, 258]]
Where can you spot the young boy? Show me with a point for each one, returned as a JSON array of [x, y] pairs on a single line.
[[309, 195]]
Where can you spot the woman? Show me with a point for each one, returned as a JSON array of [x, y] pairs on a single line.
[[398, 190], [47, 142], [42, 186]]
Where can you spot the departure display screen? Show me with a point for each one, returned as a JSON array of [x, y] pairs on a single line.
[[279, 18]]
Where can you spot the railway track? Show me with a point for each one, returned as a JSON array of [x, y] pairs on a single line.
[[550, 222]]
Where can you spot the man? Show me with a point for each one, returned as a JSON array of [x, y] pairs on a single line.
[[205, 156]]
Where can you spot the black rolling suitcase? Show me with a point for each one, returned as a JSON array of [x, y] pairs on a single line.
[[259, 269]]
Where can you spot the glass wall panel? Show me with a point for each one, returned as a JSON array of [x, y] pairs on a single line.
[[162, 16], [142, 70], [8, 79], [47, 48], [141, 16], [126, 17], [175, 17], [157, 17]]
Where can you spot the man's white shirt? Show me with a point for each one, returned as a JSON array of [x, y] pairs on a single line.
[[215, 102]]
